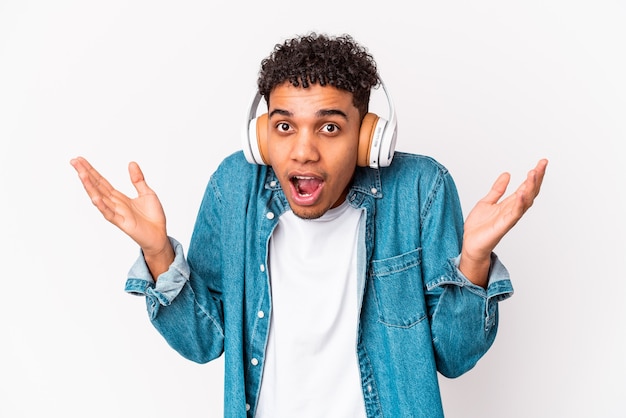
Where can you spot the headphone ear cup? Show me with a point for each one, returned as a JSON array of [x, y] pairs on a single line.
[[387, 143], [255, 141], [366, 136], [261, 137]]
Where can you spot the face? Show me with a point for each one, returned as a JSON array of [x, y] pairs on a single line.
[[312, 144]]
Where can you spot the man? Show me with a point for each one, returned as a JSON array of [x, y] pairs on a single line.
[[332, 288]]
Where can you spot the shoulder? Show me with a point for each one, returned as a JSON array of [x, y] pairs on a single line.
[[235, 176], [419, 179], [235, 162], [415, 167], [404, 160], [235, 169]]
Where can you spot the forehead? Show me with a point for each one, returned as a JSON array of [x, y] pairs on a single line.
[[293, 99]]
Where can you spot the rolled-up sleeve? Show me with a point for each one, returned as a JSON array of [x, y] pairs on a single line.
[[168, 285], [465, 321]]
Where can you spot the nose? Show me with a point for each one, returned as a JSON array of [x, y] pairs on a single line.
[[305, 147]]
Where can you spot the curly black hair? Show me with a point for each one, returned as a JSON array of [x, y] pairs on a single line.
[[337, 61]]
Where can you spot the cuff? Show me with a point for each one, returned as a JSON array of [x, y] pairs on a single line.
[[499, 286], [168, 285]]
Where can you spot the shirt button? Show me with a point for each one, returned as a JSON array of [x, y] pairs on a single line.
[[247, 407], [369, 388], [254, 361], [262, 268], [270, 215], [261, 314], [374, 190], [273, 183]]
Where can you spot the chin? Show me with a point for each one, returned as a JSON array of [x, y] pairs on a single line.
[[308, 213]]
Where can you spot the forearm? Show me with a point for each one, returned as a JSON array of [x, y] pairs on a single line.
[[200, 336], [464, 316], [463, 329]]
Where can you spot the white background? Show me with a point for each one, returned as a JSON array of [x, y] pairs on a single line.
[[484, 87]]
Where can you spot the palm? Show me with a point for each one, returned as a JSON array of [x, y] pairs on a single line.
[[142, 218], [490, 219], [486, 224]]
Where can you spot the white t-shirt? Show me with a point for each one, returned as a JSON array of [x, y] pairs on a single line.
[[311, 366]]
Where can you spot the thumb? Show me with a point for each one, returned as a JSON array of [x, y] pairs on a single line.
[[137, 178]]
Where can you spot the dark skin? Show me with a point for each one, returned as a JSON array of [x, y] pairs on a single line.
[[298, 144]]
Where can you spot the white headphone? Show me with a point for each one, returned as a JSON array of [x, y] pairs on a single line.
[[377, 137]]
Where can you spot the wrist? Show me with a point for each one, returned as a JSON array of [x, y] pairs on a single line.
[[476, 270], [159, 259]]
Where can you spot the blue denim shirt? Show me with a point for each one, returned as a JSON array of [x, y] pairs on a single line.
[[418, 314]]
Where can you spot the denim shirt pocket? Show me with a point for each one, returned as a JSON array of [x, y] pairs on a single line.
[[398, 289]]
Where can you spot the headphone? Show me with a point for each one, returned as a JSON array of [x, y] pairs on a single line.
[[377, 136]]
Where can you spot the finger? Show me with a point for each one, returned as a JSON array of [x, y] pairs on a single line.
[[105, 208], [115, 208], [81, 166], [103, 196], [94, 183], [137, 178], [539, 172], [497, 189], [116, 200], [529, 189], [535, 178]]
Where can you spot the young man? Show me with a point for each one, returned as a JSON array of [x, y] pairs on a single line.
[[332, 289]]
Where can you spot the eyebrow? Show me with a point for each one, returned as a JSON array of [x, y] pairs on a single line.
[[319, 113]]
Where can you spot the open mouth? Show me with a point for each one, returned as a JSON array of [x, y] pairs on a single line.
[[306, 185]]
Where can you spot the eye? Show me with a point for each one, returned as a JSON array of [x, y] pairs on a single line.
[[283, 127], [330, 128]]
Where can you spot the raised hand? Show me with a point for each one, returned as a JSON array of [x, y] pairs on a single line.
[[491, 219], [141, 218]]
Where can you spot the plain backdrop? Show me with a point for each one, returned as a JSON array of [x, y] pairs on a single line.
[[483, 86]]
